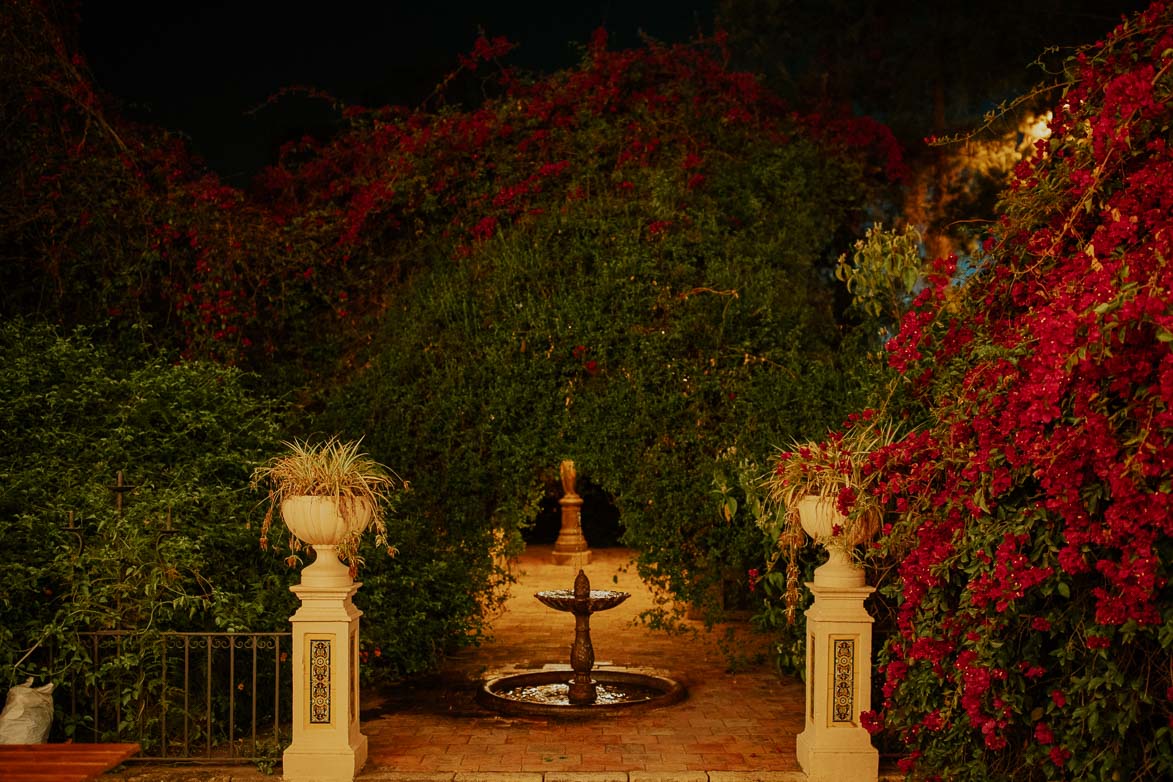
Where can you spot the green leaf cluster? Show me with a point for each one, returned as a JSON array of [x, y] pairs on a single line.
[[180, 554]]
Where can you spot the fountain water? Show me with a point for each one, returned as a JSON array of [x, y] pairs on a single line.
[[589, 692]]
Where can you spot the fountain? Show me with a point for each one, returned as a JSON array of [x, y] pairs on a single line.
[[590, 692]]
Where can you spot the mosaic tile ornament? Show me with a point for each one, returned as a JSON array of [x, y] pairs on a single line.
[[320, 681], [810, 676], [843, 693]]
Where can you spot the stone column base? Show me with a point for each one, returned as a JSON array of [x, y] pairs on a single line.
[[835, 747], [321, 765], [327, 743], [852, 757]]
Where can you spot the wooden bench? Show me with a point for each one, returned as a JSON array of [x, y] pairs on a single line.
[[60, 762]]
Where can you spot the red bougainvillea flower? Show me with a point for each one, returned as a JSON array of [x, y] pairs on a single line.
[[1029, 524]]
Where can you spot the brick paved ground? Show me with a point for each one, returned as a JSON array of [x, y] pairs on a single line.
[[731, 721]]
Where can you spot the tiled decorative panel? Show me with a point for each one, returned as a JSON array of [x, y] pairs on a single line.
[[319, 657], [842, 681]]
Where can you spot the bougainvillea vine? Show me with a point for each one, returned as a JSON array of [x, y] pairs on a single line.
[[1031, 528]]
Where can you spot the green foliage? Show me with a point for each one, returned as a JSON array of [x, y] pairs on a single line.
[[630, 317], [627, 263], [883, 273], [181, 554]]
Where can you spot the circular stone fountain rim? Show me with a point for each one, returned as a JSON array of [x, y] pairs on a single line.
[[671, 690]]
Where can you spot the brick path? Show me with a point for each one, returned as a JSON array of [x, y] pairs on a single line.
[[744, 721]]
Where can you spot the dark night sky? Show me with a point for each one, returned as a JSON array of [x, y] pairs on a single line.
[[200, 67]]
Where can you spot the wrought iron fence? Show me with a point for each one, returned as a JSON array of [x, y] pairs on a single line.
[[183, 696], [191, 696]]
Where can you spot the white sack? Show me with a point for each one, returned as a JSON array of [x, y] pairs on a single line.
[[27, 714]]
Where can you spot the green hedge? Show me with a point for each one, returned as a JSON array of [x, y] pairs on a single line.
[[647, 358], [186, 436]]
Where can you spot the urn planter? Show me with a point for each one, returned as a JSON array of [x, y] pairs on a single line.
[[829, 528], [326, 523]]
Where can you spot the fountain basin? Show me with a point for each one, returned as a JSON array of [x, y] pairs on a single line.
[[579, 691], [595, 599], [544, 693]]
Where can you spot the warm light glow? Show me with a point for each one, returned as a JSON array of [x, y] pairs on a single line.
[[1034, 127]]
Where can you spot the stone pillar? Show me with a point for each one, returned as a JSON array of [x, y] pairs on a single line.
[[834, 746], [327, 743], [571, 547]]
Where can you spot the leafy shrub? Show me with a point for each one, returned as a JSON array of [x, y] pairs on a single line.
[[185, 436], [113, 226]]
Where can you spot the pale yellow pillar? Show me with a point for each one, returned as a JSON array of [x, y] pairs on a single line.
[[835, 747], [328, 745]]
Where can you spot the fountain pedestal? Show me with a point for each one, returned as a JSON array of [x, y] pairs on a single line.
[[328, 745], [571, 546], [582, 691]]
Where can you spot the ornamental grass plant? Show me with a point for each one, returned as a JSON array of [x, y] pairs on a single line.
[[336, 469], [843, 469]]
